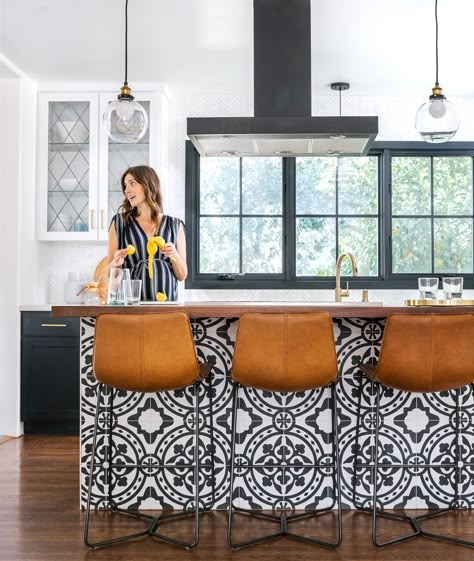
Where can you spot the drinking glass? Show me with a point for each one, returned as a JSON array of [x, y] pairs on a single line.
[[428, 287], [132, 291], [452, 287], [115, 296]]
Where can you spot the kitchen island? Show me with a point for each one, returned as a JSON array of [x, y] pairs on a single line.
[[165, 421]]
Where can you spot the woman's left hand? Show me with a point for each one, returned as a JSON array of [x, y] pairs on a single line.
[[169, 250]]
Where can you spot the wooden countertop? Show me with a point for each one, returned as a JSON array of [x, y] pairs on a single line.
[[235, 309]]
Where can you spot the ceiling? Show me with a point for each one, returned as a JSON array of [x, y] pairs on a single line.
[[382, 47]]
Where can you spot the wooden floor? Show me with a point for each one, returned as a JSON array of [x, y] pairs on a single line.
[[40, 521]]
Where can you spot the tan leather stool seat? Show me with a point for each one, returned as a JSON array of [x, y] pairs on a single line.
[[284, 352], [145, 352], [426, 353]]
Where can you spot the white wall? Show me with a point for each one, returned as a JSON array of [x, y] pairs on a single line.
[[9, 264], [17, 168]]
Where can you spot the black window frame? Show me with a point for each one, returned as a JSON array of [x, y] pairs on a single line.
[[288, 280]]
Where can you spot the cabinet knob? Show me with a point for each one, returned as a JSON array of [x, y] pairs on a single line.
[[101, 218], [92, 219]]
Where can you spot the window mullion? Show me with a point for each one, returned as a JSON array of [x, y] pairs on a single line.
[[240, 218], [385, 210], [289, 218], [432, 214], [337, 248]]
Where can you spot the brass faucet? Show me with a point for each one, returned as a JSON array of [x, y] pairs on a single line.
[[340, 293]]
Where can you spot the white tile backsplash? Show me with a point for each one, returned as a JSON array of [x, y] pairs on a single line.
[[66, 257]]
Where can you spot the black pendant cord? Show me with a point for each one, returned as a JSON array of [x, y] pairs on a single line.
[[436, 27], [340, 102], [126, 42]]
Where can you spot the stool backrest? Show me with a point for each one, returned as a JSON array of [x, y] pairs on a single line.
[[145, 352], [427, 353], [284, 352]]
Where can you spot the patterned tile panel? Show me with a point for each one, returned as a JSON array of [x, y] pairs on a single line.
[[286, 432]]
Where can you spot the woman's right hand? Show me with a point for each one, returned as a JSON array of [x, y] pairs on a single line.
[[119, 257]]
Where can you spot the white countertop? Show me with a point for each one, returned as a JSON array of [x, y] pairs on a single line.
[[35, 307]]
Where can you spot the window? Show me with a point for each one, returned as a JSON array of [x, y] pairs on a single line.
[[241, 216], [336, 210], [403, 211], [432, 214]]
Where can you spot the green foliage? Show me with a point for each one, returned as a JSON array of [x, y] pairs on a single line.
[[411, 185], [262, 186], [360, 237], [358, 184], [219, 247], [452, 185], [316, 185], [220, 186], [453, 245], [411, 245], [315, 246], [414, 188], [262, 245]]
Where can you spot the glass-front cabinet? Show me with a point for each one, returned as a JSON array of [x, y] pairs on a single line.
[[79, 167]]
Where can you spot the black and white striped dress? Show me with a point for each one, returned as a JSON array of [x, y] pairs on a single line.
[[164, 279]]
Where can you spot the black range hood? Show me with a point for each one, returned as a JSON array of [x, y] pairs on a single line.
[[282, 124]]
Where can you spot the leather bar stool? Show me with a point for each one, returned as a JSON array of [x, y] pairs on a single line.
[[143, 353], [423, 354], [285, 353]]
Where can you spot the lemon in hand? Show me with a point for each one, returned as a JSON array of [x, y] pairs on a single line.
[[161, 297], [130, 249]]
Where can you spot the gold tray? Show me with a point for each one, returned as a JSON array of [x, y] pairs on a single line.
[[457, 302]]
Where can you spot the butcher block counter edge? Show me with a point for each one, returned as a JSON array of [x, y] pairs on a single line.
[[236, 309]]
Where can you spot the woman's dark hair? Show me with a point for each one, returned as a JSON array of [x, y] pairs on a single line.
[[150, 182]]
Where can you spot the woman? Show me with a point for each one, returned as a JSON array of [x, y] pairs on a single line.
[[139, 218]]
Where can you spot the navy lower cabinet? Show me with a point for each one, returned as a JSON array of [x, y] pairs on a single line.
[[49, 373]]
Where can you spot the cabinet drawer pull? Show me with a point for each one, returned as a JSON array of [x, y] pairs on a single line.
[[54, 325], [101, 218], [92, 219]]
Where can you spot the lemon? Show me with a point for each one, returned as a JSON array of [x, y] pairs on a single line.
[[161, 297]]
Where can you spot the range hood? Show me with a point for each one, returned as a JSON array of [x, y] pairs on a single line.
[[282, 124]]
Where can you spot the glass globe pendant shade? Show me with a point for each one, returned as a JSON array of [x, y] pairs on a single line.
[[436, 120], [125, 120]]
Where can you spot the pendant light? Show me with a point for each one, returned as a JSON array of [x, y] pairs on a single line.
[[339, 87], [125, 120], [436, 120]]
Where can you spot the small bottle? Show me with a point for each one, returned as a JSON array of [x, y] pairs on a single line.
[[365, 295]]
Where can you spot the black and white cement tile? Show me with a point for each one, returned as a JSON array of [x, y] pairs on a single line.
[[278, 430]]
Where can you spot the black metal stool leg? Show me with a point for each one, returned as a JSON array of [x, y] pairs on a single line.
[[375, 511], [284, 520], [192, 512], [336, 464], [360, 391], [91, 471], [88, 543], [235, 396], [210, 389], [455, 503]]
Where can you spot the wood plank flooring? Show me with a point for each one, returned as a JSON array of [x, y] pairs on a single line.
[[40, 521]]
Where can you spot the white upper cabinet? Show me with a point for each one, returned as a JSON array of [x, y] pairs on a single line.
[[79, 167]]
